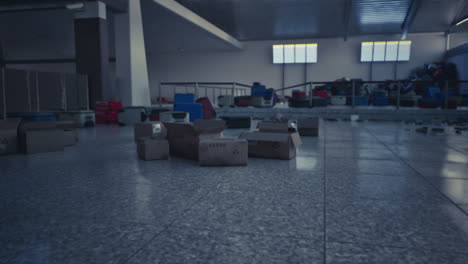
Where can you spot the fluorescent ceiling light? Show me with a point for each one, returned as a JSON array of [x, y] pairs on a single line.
[[461, 22], [75, 6]]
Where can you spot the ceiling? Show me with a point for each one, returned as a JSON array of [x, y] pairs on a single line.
[[295, 19]]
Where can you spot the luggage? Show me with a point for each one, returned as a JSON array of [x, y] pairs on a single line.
[[303, 102], [184, 98], [34, 116], [242, 101], [260, 101], [237, 122], [298, 94], [208, 110], [259, 90], [338, 100], [131, 115], [174, 117], [428, 103], [225, 100], [84, 117], [323, 94], [107, 111], [379, 94], [380, 101], [361, 100], [318, 101], [195, 110], [432, 92]]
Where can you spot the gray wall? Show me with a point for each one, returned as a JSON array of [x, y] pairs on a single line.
[[336, 59]]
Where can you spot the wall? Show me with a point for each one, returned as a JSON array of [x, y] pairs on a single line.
[[336, 59]]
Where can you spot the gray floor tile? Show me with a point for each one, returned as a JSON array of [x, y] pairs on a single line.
[[356, 254], [464, 207], [381, 154], [413, 189], [441, 169], [455, 189], [426, 226], [203, 246], [258, 212], [43, 240], [380, 167]]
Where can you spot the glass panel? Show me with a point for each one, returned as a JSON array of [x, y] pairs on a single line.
[[300, 53], [379, 51], [289, 54], [404, 51], [311, 53], [278, 54], [367, 49], [391, 51]]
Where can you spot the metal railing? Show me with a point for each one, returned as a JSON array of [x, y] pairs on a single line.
[[310, 86], [201, 88]]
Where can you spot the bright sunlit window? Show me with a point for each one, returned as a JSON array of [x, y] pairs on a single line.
[[385, 51], [295, 53]]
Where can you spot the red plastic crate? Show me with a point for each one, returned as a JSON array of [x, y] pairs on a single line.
[[115, 105]]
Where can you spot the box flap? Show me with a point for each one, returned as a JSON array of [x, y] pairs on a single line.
[[261, 136], [295, 139], [10, 124], [203, 126], [273, 126]]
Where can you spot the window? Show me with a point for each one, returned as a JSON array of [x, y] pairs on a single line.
[[385, 51], [295, 53]]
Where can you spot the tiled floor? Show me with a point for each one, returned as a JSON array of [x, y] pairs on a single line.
[[360, 193]]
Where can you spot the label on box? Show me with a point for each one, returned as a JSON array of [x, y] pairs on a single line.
[[156, 128]]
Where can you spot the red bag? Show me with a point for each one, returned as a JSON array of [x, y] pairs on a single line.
[[208, 110]]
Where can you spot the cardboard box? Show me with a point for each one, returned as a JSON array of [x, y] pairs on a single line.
[[45, 140], [308, 127], [184, 137], [70, 137], [9, 136], [274, 140], [150, 129], [153, 148], [222, 152]]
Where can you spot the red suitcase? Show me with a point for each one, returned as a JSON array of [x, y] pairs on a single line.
[[208, 110]]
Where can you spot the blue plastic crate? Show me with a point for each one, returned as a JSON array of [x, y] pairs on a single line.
[[195, 110], [35, 116], [432, 91], [184, 98], [361, 100], [379, 94], [380, 101], [258, 90]]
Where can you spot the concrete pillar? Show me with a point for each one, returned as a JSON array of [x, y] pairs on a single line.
[[131, 67], [91, 48]]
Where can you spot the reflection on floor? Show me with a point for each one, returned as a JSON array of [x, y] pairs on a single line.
[[360, 193]]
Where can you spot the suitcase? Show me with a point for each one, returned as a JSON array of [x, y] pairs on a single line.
[[195, 110], [428, 103], [323, 94], [299, 102], [237, 122], [318, 101], [260, 101], [225, 100], [131, 115], [298, 94], [208, 110], [338, 100], [380, 101], [242, 101], [184, 98]]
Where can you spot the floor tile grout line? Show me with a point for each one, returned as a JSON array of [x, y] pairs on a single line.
[[398, 247], [325, 198], [172, 222], [423, 177]]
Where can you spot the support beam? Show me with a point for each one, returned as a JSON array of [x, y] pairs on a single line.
[[347, 17], [460, 7], [410, 15], [190, 16]]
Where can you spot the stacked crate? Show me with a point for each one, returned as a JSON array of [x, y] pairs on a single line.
[[186, 103], [107, 112]]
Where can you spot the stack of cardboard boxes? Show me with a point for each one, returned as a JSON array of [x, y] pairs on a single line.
[[151, 141], [36, 137]]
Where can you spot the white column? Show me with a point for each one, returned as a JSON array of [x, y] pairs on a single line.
[[131, 67]]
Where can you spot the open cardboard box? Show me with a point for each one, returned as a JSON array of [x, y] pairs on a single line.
[[222, 152], [153, 148], [9, 136], [40, 137], [273, 140], [184, 138], [149, 129]]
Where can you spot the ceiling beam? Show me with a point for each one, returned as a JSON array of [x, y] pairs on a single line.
[[460, 7], [410, 15], [200, 22], [347, 17]]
